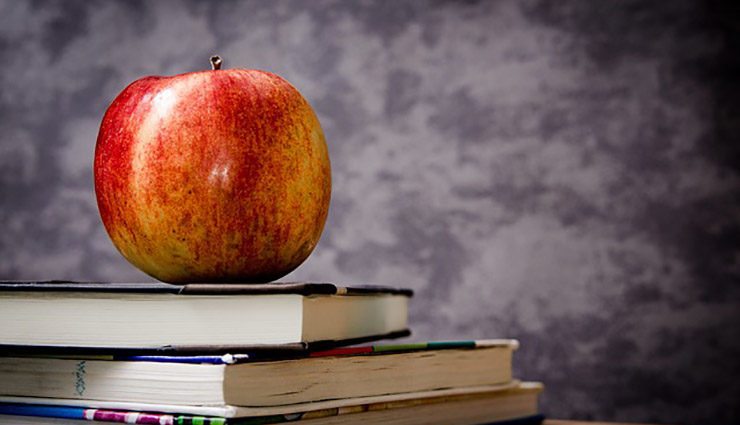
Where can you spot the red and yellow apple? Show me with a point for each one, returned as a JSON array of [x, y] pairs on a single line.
[[213, 176]]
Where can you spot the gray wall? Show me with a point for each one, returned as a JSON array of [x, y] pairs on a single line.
[[562, 172]]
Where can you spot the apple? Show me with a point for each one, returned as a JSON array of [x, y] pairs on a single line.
[[213, 176]]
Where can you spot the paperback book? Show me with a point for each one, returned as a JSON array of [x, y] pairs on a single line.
[[506, 405], [252, 380]]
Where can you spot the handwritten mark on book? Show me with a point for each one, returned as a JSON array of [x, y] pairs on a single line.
[[80, 378]]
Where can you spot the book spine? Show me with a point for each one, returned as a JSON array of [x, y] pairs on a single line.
[[388, 348], [141, 418], [61, 412], [349, 351], [102, 415], [442, 345], [219, 360], [128, 417]]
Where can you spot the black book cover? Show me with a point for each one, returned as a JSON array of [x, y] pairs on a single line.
[[300, 288]]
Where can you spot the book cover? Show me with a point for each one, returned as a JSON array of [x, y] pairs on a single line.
[[174, 352], [10, 413], [311, 350], [299, 288]]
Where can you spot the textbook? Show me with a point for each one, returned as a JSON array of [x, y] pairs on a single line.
[[240, 380], [506, 405], [199, 318]]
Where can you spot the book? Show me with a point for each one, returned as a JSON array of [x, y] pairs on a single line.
[[241, 380], [231, 411], [198, 318], [510, 406]]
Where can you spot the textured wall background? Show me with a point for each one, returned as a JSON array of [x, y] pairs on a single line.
[[560, 172]]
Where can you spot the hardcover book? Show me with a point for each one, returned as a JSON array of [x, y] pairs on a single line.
[[198, 318]]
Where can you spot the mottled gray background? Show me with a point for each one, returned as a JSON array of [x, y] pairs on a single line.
[[562, 172]]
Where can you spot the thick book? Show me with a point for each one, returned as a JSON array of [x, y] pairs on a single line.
[[515, 405], [240, 380], [159, 317]]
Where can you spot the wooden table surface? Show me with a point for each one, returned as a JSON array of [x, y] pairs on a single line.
[[562, 422]]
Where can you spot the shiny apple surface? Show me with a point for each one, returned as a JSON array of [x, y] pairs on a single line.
[[213, 176]]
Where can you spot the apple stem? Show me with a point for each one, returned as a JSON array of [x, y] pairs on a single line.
[[216, 62]]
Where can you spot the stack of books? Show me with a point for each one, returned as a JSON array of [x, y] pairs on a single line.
[[82, 353]]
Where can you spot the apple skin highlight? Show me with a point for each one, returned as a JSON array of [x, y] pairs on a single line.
[[213, 176]]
